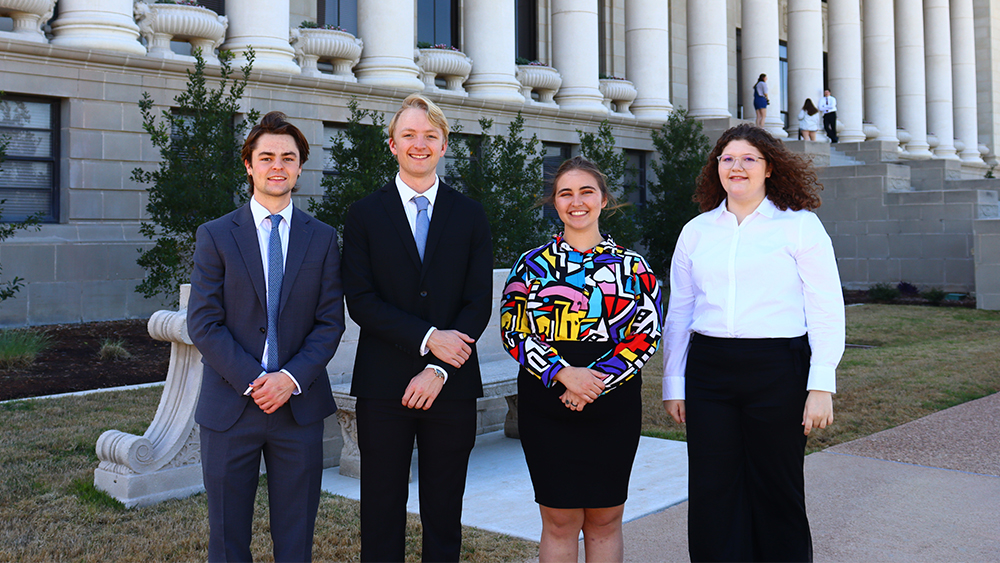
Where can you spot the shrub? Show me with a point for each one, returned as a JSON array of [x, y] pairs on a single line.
[[934, 296], [883, 293], [907, 289], [361, 156], [622, 224], [200, 175], [113, 350], [19, 348], [683, 150]]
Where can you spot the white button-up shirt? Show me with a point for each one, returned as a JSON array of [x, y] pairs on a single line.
[[772, 276]]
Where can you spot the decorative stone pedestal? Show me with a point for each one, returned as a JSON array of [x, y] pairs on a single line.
[[160, 24], [340, 48], [454, 66], [29, 16], [619, 91], [544, 80]]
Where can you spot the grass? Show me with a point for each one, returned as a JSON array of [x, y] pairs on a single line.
[[113, 350], [926, 359], [19, 348]]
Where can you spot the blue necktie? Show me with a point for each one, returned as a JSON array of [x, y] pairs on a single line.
[[423, 223], [275, 271]]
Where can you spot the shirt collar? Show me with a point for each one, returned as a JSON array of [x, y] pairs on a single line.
[[766, 208], [406, 193], [260, 212]]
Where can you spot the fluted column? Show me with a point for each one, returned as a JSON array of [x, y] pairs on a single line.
[[805, 56], [911, 109], [578, 61], [263, 25], [963, 74], [844, 56], [937, 57], [106, 25], [386, 27], [760, 55], [880, 69], [647, 36], [708, 62], [489, 42]]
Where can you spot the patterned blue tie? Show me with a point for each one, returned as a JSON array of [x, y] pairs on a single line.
[[423, 223], [275, 271]]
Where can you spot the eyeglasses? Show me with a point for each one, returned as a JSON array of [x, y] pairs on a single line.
[[747, 161]]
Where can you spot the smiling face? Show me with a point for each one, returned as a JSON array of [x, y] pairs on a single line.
[[418, 146], [274, 167], [578, 200], [744, 187]]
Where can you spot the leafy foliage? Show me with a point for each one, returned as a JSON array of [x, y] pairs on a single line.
[[200, 175], [7, 230], [682, 149], [504, 174], [883, 293], [622, 223], [363, 162]]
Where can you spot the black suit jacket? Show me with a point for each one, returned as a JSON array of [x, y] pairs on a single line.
[[227, 315], [395, 298]]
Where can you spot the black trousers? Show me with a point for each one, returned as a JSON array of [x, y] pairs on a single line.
[[445, 435], [830, 125], [745, 449]]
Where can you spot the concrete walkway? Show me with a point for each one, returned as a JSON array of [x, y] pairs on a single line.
[[928, 490]]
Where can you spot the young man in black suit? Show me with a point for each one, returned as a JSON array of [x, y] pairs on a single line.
[[267, 313], [417, 275]]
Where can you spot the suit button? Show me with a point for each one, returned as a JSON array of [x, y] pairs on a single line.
[[263, 330], [423, 294]]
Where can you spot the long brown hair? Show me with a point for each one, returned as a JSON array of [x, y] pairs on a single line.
[[792, 185]]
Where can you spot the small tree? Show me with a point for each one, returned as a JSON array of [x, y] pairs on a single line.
[[682, 149], [504, 174], [599, 148], [200, 175], [7, 230], [363, 162]]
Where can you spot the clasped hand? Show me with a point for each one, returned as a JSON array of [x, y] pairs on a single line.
[[451, 346], [272, 390], [583, 385]]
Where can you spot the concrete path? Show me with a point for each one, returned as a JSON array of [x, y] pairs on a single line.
[[928, 490]]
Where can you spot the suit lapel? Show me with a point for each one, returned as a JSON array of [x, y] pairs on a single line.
[[397, 217], [298, 241], [245, 235]]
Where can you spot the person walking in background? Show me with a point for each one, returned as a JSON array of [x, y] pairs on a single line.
[[828, 105], [808, 121], [754, 333], [760, 100], [418, 278], [581, 315], [266, 312]]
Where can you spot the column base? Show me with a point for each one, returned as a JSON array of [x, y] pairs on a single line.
[[589, 100], [497, 87], [658, 110], [392, 72]]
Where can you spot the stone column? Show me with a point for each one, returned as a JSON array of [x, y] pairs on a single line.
[[805, 57], [489, 42], [263, 25], [911, 110], [844, 58], [386, 27], [647, 60], [760, 55], [880, 69], [937, 58], [708, 59], [576, 58], [105, 25], [963, 74]]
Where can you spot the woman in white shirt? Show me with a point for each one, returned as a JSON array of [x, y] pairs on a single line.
[[754, 333], [809, 118]]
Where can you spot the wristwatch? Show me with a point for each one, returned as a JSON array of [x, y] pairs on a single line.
[[440, 373]]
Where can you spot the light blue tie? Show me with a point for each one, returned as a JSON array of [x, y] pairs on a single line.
[[423, 223], [275, 271]]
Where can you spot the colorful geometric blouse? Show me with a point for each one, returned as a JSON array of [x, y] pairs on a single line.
[[555, 292]]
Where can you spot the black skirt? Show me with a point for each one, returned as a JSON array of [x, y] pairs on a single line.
[[579, 459]]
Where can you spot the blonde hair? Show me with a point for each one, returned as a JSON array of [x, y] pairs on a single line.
[[434, 114]]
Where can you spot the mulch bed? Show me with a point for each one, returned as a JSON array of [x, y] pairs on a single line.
[[72, 362]]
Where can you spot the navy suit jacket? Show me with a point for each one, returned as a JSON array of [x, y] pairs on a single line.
[[227, 315], [395, 298]]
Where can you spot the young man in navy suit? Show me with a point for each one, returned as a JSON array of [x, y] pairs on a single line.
[[418, 263], [266, 312]]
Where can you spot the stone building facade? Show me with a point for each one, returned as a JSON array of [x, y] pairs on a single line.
[[916, 80]]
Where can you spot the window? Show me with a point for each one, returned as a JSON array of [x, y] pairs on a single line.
[[635, 176], [331, 130], [217, 6], [526, 29], [30, 176], [437, 22], [451, 158], [553, 155], [341, 13]]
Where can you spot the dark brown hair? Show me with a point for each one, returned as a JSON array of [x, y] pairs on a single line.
[[792, 184], [809, 107], [583, 165], [274, 123]]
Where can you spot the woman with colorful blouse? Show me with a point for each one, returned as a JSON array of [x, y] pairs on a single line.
[[581, 315]]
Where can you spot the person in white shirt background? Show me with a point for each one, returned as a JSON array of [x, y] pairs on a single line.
[[808, 121], [754, 332], [828, 105]]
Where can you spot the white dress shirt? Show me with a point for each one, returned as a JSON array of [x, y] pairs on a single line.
[[406, 195], [827, 104], [772, 276], [261, 218]]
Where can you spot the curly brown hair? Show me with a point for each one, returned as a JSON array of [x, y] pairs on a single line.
[[792, 185]]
